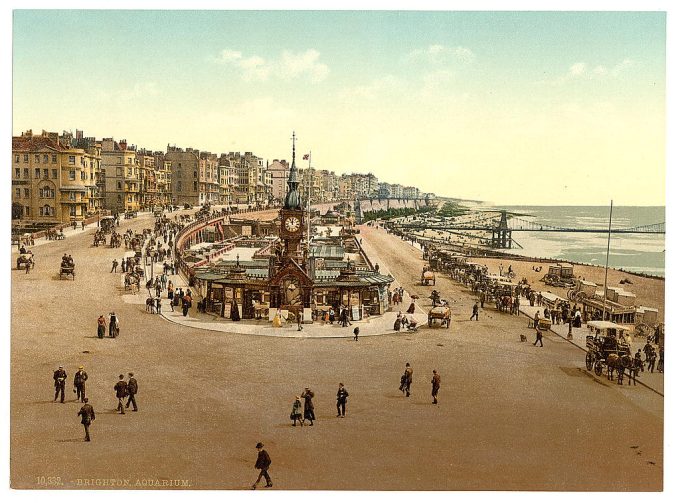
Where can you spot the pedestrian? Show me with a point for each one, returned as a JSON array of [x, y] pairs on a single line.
[[651, 360], [308, 394], [356, 333], [341, 400], [536, 318], [113, 324], [101, 326], [87, 413], [263, 463], [412, 308], [659, 367], [436, 383], [114, 265], [59, 383], [475, 312], [158, 305], [296, 413], [406, 380], [79, 384], [132, 389], [121, 392], [298, 317], [539, 337]]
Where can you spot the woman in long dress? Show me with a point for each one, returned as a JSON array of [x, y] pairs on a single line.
[[276, 323], [296, 413]]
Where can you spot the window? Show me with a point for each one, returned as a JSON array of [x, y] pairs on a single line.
[[46, 173], [72, 159], [119, 171], [179, 186], [17, 173], [195, 186], [72, 174], [129, 172], [72, 211], [37, 172], [25, 157], [129, 199], [195, 174], [37, 158], [119, 198], [26, 173], [72, 196], [54, 158], [54, 173], [83, 175], [119, 185], [17, 192], [46, 158], [28, 211], [27, 193], [16, 158]]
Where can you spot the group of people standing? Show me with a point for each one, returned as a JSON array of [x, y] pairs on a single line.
[[114, 325], [124, 389]]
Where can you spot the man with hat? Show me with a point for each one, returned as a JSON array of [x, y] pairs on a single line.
[[121, 392], [341, 400], [59, 383], [131, 391], [88, 416], [263, 462], [79, 384]]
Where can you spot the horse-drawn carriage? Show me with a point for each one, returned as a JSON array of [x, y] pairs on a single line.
[[442, 313], [130, 214], [427, 277], [99, 238], [107, 224], [116, 240], [609, 348], [25, 259], [559, 275], [66, 270]]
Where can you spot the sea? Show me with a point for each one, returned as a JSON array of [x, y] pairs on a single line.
[[642, 253]]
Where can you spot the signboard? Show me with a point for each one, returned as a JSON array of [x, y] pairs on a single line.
[[355, 313]]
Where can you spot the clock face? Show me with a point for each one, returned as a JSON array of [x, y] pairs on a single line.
[[292, 224]]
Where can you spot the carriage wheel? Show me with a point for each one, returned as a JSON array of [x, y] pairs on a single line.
[[598, 368], [589, 361], [580, 296], [570, 295]]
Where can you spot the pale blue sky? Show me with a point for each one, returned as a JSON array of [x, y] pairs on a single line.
[[472, 104]]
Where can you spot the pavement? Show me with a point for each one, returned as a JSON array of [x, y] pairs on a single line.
[[652, 380]]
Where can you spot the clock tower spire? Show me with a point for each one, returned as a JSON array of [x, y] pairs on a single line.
[[292, 215]]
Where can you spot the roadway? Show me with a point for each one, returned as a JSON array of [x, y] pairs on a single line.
[[511, 416]]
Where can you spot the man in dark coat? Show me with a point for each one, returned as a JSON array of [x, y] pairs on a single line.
[[79, 383], [132, 389], [342, 400], [308, 394], [87, 413], [59, 383], [475, 312], [263, 462], [121, 392], [436, 382], [406, 380]]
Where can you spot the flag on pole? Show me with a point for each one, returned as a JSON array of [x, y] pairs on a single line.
[[305, 157]]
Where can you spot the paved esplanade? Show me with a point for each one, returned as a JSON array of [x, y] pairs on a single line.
[[510, 415]]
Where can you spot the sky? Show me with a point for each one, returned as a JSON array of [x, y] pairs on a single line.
[[537, 108]]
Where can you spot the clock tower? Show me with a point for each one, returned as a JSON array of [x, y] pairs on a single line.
[[292, 216]]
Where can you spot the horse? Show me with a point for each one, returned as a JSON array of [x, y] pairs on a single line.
[[150, 305], [612, 365]]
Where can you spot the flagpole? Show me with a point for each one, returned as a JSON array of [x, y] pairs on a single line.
[[309, 204], [606, 266]]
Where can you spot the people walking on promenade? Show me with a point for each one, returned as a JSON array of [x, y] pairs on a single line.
[[158, 305], [356, 333], [307, 395], [59, 383], [659, 367], [101, 326], [132, 389], [87, 413], [114, 325], [651, 360], [263, 463], [411, 308], [475, 312], [436, 383], [114, 265], [539, 337], [296, 413], [341, 400], [537, 316], [121, 392], [79, 384], [406, 380]]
